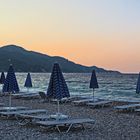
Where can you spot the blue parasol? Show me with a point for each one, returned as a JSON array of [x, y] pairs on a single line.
[[57, 88], [138, 85], [28, 82], [2, 78], [93, 82], [10, 84]]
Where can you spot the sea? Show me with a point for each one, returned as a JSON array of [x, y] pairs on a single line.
[[112, 86]]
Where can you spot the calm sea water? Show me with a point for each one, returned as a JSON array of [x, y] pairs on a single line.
[[111, 86]]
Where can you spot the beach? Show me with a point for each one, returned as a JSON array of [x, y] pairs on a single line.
[[110, 125], [54, 50]]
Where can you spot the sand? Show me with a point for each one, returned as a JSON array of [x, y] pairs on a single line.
[[110, 125]]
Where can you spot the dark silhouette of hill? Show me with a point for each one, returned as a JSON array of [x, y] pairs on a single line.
[[30, 61]]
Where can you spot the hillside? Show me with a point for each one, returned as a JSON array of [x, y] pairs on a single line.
[[30, 61]]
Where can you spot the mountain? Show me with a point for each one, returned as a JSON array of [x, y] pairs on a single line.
[[30, 61]]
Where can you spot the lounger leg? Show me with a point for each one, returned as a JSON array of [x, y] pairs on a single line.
[[83, 126], [21, 122], [93, 125], [16, 117], [57, 127], [25, 122], [69, 128]]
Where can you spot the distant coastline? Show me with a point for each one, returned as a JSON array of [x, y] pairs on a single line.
[[30, 61]]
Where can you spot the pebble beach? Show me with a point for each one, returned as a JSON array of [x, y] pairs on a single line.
[[110, 124]]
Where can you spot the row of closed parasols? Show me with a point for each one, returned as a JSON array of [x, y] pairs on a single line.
[[57, 86], [11, 85]]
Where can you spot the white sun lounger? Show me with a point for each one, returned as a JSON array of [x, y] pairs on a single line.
[[65, 100], [6, 109], [35, 117], [137, 110], [83, 101], [100, 103], [18, 112], [21, 95], [30, 118], [129, 107], [69, 123], [32, 96]]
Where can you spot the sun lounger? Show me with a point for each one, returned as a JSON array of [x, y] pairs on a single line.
[[1, 104], [35, 117], [19, 94], [30, 118], [126, 100], [6, 109], [22, 95], [65, 100], [99, 104], [43, 96], [137, 110], [129, 107], [32, 96], [18, 112], [69, 123], [59, 116], [83, 101]]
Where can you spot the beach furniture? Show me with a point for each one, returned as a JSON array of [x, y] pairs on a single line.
[[17, 113], [2, 78], [126, 100], [99, 104], [24, 94], [137, 110], [30, 118], [18, 95], [138, 85], [68, 123], [129, 107], [30, 96], [43, 96], [10, 85], [93, 82], [84, 101], [57, 88], [28, 82], [1, 104], [8, 109], [65, 100], [59, 116]]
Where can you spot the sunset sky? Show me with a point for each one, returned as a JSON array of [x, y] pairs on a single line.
[[105, 33]]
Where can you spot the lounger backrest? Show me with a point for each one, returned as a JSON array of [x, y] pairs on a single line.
[[42, 95]]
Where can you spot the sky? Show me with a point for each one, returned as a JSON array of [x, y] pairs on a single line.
[[105, 33]]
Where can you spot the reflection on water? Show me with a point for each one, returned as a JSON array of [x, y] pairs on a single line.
[[111, 86]]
